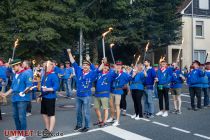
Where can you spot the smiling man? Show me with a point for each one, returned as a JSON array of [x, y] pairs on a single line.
[[85, 77]]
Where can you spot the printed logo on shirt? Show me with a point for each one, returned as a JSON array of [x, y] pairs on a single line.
[[30, 79]]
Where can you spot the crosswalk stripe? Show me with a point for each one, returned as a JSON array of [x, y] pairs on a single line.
[[123, 134]]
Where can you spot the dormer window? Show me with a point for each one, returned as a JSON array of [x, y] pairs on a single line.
[[204, 4]]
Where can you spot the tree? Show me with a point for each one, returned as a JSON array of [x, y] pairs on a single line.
[[45, 28]]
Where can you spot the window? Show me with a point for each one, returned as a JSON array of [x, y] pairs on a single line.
[[200, 55], [199, 29], [204, 4]]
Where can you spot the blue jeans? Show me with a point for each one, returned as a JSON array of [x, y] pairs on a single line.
[[61, 84], [33, 95], [68, 87], [206, 96], [83, 105], [19, 114], [148, 101]]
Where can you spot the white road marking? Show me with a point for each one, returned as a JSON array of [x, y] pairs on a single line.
[[147, 120], [123, 134], [182, 130], [202, 136], [72, 134], [3, 113], [161, 124], [115, 131]]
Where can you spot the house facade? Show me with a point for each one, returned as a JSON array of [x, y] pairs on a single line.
[[195, 33]]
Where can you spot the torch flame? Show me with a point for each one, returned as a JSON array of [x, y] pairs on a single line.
[[16, 43], [105, 33], [146, 49], [111, 45]]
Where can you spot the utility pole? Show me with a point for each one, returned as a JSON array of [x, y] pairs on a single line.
[[192, 22]]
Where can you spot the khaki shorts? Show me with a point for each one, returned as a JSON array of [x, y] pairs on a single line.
[[176, 91], [101, 102], [115, 98]]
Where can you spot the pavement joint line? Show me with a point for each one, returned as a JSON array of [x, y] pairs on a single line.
[[161, 124], [181, 130], [202, 136]]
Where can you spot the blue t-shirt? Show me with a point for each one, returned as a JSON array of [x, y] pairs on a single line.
[[19, 84], [137, 81], [176, 80], [84, 81], [3, 72], [67, 73], [195, 78], [149, 79], [119, 82], [103, 84], [164, 77], [50, 81]]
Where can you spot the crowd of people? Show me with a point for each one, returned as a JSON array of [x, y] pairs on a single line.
[[111, 82]]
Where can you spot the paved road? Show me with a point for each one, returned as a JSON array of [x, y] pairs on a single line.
[[191, 125]]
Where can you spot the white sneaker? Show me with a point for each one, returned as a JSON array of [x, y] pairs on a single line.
[[28, 114], [137, 118], [159, 113], [20, 138], [133, 116], [110, 120], [165, 114], [116, 123]]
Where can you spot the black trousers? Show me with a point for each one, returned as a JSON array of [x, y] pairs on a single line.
[[137, 96], [29, 106], [123, 103], [195, 91], [163, 94]]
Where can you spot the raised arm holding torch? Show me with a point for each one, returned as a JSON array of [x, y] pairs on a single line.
[[207, 55], [111, 45], [14, 48], [103, 40], [137, 60], [145, 53], [177, 59]]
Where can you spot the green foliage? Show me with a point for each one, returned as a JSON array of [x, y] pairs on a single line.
[[46, 27]]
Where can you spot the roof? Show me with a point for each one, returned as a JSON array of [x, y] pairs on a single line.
[[184, 4], [186, 8]]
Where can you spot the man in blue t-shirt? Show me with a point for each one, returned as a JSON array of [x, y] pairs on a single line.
[[21, 83], [195, 83], [85, 76], [68, 74], [102, 93], [177, 80], [149, 90]]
